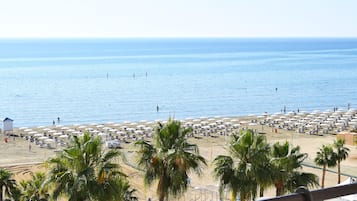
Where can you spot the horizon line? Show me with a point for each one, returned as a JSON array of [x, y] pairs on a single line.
[[181, 37]]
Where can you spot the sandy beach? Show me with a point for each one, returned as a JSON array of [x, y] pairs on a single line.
[[17, 157]]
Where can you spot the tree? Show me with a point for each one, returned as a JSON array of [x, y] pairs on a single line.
[[242, 171], [169, 159], [341, 154], [34, 190], [83, 172], [325, 157], [286, 164], [7, 184]]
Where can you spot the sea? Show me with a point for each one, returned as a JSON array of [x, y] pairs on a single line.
[[96, 80]]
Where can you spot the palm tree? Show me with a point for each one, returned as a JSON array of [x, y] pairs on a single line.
[[341, 154], [83, 172], [325, 157], [286, 164], [226, 170], [242, 172], [7, 184], [34, 190], [169, 159]]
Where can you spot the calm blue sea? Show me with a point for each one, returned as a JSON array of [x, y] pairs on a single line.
[[101, 80]]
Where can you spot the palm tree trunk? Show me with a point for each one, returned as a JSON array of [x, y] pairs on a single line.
[[261, 192], [161, 196], [233, 195], [339, 172], [279, 186], [243, 197], [1, 192], [161, 190], [323, 176]]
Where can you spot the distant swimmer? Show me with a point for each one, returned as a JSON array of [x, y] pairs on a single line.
[[276, 89], [157, 108]]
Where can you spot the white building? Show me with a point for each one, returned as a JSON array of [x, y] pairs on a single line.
[[8, 125]]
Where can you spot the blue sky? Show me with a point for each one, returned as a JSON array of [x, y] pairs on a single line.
[[178, 18]]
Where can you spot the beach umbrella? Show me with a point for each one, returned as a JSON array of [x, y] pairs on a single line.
[[28, 130], [100, 126], [222, 127], [235, 126], [219, 122], [130, 129], [148, 129], [205, 127], [228, 123], [46, 129], [138, 132], [57, 134], [141, 126], [63, 136], [121, 133], [38, 135], [353, 123], [76, 132], [43, 138], [102, 134], [23, 128], [204, 123], [210, 120], [49, 141]]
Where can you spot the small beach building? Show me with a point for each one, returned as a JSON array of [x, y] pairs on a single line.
[[349, 137], [8, 125]]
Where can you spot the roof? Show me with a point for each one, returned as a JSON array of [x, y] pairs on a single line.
[[8, 119]]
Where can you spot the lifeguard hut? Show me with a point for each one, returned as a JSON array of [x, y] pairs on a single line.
[[8, 126]]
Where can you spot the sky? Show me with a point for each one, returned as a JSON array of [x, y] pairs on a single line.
[[177, 18]]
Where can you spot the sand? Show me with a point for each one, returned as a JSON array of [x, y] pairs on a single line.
[[16, 156]]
